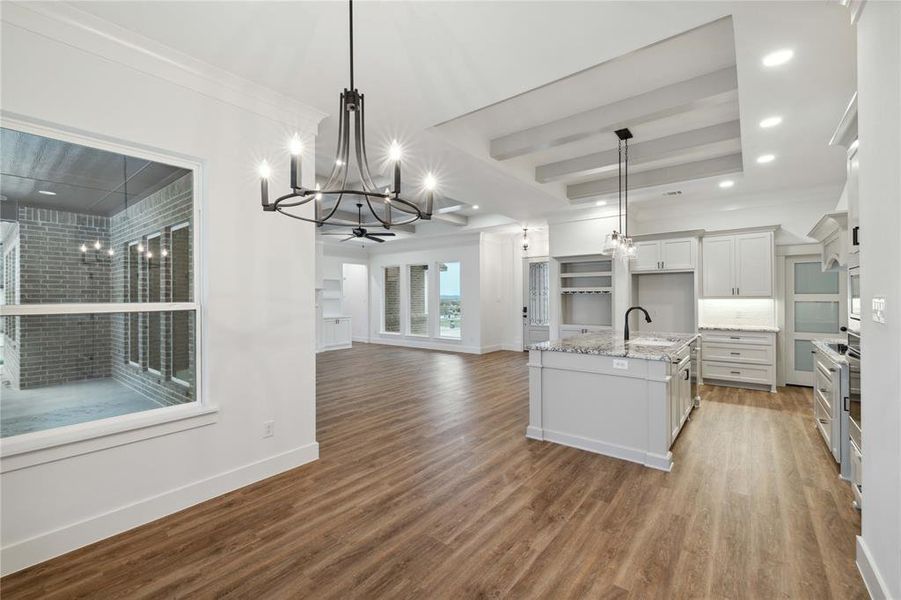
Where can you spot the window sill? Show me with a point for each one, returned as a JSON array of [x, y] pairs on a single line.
[[391, 333], [30, 449]]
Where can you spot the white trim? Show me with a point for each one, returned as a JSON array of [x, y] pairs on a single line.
[[427, 344], [29, 449], [25, 553], [15, 310], [648, 459], [79, 29], [872, 578]]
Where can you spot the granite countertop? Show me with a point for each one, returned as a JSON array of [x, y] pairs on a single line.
[[823, 346], [611, 343], [768, 328]]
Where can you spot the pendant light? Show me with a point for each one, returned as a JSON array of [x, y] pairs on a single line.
[[618, 242]]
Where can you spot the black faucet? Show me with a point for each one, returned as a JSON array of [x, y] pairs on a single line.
[[647, 318]]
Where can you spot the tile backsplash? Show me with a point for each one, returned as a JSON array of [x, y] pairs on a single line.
[[737, 311]]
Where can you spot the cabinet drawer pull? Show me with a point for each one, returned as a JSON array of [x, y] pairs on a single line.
[[735, 353], [734, 337], [735, 372]]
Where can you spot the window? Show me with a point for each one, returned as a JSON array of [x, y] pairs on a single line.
[[152, 260], [182, 324], [419, 300], [133, 295], [391, 322], [105, 285], [450, 314]]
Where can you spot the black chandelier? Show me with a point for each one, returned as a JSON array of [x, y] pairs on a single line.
[[385, 208]]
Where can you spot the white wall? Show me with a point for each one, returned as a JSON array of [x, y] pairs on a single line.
[[796, 212], [258, 303], [879, 129], [356, 300]]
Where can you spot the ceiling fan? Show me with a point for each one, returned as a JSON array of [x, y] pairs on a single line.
[[361, 232]]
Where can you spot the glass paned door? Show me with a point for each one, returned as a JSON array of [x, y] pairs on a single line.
[[814, 310]]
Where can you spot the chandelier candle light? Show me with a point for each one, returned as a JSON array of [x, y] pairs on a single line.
[[385, 208]]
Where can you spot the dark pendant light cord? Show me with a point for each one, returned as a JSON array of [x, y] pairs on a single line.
[[351, 19]]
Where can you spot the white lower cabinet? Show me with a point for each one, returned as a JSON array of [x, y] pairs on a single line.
[[335, 333], [743, 358]]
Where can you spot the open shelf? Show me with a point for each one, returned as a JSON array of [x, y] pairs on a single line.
[[588, 274], [586, 290]]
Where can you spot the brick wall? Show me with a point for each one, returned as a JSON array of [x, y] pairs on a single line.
[[160, 213], [419, 318], [52, 269], [63, 348], [392, 299], [11, 325]]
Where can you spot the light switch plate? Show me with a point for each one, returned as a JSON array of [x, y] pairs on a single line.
[[878, 309], [620, 363]]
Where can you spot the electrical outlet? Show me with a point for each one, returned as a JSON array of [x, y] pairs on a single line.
[[878, 309], [268, 429], [619, 363]]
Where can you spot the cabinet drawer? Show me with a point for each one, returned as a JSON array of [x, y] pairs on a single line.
[[823, 421], [856, 464], [736, 372], [738, 353], [737, 337], [822, 382]]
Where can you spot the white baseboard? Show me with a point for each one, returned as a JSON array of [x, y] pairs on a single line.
[[361, 339], [654, 461], [427, 344], [32, 551], [534, 433], [876, 586]]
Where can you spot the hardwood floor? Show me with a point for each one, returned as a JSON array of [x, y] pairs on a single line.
[[428, 488]]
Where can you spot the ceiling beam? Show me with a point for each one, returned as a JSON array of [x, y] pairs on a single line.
[[702, 169], [724, 138], [699, 92]]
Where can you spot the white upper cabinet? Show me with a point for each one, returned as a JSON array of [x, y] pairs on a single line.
[[678, 254], [647, 256], [739, 265], [675, 254], [719, 261]]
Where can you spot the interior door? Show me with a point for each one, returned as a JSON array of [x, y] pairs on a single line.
[[536, 302], [815, 309], [647, 256], [719, 262], [753, 265]]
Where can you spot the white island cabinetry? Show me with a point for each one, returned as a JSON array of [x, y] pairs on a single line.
[[597, 393]]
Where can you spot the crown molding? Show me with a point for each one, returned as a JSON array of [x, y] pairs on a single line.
[[71, 26]]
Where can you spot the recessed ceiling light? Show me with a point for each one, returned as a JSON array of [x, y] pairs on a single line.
[[47, 192], [726, 183], [779, 57], [600, 203], [766, 158], [770, 122], [475, 207]]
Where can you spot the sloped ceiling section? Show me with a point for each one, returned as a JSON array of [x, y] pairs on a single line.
[[679, 97]]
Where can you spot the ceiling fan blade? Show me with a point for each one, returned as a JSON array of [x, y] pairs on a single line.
[[335, 233], [350, 237], [384, 234], [374, 239]]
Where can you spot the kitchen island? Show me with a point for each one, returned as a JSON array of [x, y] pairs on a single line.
[[623, 399]]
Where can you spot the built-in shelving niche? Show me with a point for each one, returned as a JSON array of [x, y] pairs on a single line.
[[586, 291]]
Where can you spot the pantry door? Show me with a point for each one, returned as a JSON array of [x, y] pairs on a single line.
[[815, 309]]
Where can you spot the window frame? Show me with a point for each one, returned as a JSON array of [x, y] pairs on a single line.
[[173, 229], [153, 236], [428, 301], [28, 449], [400, 301], [438, 300]]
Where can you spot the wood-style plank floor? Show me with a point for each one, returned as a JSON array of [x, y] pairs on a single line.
[[428, 488]]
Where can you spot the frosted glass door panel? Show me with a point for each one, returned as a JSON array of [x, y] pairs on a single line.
[[810, 279], [816, 317]]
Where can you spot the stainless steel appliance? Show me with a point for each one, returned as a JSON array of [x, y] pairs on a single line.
[[855, 422], [695, 350], [853, 292]]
